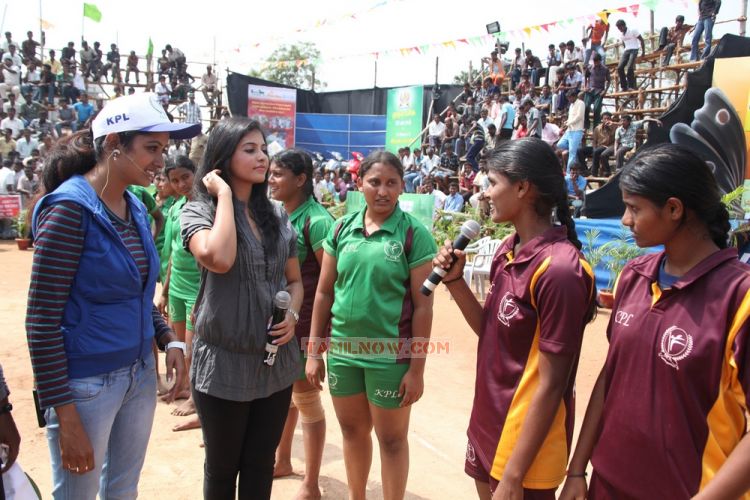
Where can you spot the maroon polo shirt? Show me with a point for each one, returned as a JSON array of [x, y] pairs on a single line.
[[538, 302], [677, 378]]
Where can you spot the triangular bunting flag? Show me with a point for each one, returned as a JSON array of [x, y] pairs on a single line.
[[537, 28], [634, 9], [451, 44], [416, 49], [624, 9], [424, 48], [46, 25], [545, 27], [604, 16], [527, 30], [404, 52]]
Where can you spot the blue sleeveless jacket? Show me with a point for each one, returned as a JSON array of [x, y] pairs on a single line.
[[107, 321]]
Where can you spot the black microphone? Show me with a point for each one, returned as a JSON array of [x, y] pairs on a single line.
[[281, 303], [469, 230]]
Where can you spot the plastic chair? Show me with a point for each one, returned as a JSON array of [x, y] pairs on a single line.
[[479, 270]]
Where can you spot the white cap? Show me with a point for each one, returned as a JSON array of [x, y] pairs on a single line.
[[139, 112]]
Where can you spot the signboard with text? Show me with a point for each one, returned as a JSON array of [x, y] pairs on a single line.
[[275, 108], [403, 117], [10, 205]]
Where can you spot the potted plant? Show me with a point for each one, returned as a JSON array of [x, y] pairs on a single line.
[[612, 255], [23, 241], [615, 254]]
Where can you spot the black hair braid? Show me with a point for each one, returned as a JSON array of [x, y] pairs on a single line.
[[719, 227], [562, 211]]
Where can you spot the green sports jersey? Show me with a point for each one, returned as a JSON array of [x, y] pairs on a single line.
[[161, 237], [319, 223], [372, 295], [143, 194], [184, 278]]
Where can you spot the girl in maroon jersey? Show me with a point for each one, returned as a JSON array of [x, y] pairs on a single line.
[[666, 418], [530, 328]]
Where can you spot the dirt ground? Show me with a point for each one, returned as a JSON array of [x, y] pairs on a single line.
[[174, 462]]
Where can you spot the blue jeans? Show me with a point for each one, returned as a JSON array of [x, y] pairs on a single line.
[[473, 154], [409, 178], [707, 24], [117, 412], [595, 47], [571, 141], [627, 60]]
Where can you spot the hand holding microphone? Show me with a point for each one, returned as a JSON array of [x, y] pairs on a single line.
[[449, 255]]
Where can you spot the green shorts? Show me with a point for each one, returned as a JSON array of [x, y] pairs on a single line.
[[181, 310], [379, 382]]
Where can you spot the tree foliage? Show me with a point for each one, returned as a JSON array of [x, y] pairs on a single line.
[[299, 75], [463, 77]]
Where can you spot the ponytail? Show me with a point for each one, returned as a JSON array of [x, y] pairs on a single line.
[[719, 227]]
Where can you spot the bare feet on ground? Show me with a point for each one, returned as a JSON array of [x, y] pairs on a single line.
[[185, 409], [180, 395], [191, 423], [283, 469], [308, 492]]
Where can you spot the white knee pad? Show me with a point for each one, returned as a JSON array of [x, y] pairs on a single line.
[[309, 406]]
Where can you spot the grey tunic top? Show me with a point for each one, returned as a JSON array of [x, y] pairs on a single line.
[[232, 311]]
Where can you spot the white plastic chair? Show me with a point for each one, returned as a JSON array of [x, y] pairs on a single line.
[[479, 270]]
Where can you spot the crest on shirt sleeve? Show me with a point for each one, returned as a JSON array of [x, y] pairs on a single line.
[[676, 345], [508, 308]]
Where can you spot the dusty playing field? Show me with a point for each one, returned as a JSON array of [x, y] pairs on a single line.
[[174, 462]]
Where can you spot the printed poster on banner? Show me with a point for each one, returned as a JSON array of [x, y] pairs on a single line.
[[10, 205], [403, 117], [275, 109]]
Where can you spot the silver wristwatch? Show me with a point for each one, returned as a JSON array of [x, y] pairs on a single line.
[[294, 314]]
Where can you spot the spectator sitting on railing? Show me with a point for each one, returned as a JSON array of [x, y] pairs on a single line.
[[66, 117], [11, 78], [533, 65], [497, 71], [525, 84], [573, 81], [603, 140], [42, 125], [630, 39], [466, 181], [176, 57], [164, 64], [163, 90], [132, 66], [544, 101], [14, 56], [428, 187], [28, 48], [210, 84], [97, 62], [450, 134], [435, 131], [86, 55], [573, 55], [68, 56], [671, 38], [625, 138], [516, 66], [113, 63], [31, 80], [180, 89], [554, 60]]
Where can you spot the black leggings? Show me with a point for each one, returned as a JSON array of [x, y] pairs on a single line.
[[240, 437]]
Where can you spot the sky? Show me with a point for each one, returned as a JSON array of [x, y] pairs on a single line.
[[238, 36]]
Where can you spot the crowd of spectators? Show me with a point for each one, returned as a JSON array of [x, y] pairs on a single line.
[[45, 97], [559, 100]]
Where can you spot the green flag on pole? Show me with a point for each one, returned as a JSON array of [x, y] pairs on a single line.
[[92, 12], [150, 50]]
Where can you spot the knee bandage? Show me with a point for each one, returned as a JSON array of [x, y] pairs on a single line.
[[309, 406]]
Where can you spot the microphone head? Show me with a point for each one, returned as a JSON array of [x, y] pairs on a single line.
[[282, 300], [470, 229]]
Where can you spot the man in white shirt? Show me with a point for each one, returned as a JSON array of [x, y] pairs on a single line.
[[550, 131], [13, 123], [484, 120], [163, 90], [26, 144], [428, 187], [11, 78], [631, 39], [571, 140], [435, 131], [209, 84]]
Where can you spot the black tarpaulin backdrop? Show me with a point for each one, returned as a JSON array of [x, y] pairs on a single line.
[[346, 102]]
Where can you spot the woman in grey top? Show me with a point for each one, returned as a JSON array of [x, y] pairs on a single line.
[[247, 250]]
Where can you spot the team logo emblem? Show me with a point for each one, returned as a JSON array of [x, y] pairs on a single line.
[[676, 345], [508, 308], [393, 250], [333, 380], [471, 456]]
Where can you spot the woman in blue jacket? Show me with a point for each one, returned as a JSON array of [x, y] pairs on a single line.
[[90, 318]]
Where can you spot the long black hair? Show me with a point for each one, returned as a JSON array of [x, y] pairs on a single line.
[[220, 147], [667, 170], [532, 160], [299, 162]]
